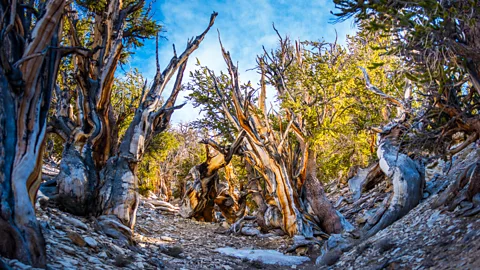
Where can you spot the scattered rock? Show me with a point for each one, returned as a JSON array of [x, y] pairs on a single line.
[[122, 260], [263, 256], [250, 231], [91, 242], [76, 238], [75, 222], [18, 265], [173, 251], [329, 258], [384, 244], [156, 262], [433, 218]]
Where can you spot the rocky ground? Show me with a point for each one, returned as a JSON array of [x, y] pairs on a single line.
[[426, 238]]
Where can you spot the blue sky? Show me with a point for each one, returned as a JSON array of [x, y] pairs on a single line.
[[244, 26]]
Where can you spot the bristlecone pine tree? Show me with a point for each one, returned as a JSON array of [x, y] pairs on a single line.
[[282, 155], [98, 171], [29, 59]]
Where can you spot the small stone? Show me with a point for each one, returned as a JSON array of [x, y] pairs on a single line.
[[156, 262], [139, 265], [18, 265], [433, 218], [329, 258], [76, 238], [122, 260], [469, 236], [118, 249], [173, 251], [384, 244], [250, 231], [103, 255], [68, 263], [90, 242], [66, 249], [94, 260], [75, 222]]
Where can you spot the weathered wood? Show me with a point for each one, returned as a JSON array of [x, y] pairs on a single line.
[[365, 179], [407, 175], [285, 169], [28, 69], [151, 118], [408, 178], [199, 198]]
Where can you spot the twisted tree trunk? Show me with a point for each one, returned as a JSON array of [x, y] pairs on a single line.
[[285, 166], [407, 175], [28, 70], [199, 198], [118, 182]]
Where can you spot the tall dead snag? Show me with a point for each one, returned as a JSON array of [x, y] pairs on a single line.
[[200, 195], [118, 182], [406, 174], [288, 166], [29, 60]]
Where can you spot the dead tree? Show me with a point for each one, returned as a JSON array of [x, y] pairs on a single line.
[[406, 174], [29, 59], [289, 168], [199, 199], [98, 174]]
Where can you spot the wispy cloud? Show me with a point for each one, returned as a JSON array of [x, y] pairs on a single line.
[[245, 27]]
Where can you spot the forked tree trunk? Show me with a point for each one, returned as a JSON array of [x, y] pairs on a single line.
[[118, 186], [92, 131], [28, 70]]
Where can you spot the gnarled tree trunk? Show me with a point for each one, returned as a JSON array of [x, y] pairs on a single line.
[[407, 175], [285, 167], [118, 182], [28, 69], [199, 198]]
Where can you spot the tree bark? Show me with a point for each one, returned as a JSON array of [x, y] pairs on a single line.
[[283, 165], [408, 178], [200, 195], [118, 182], [28, 71]]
